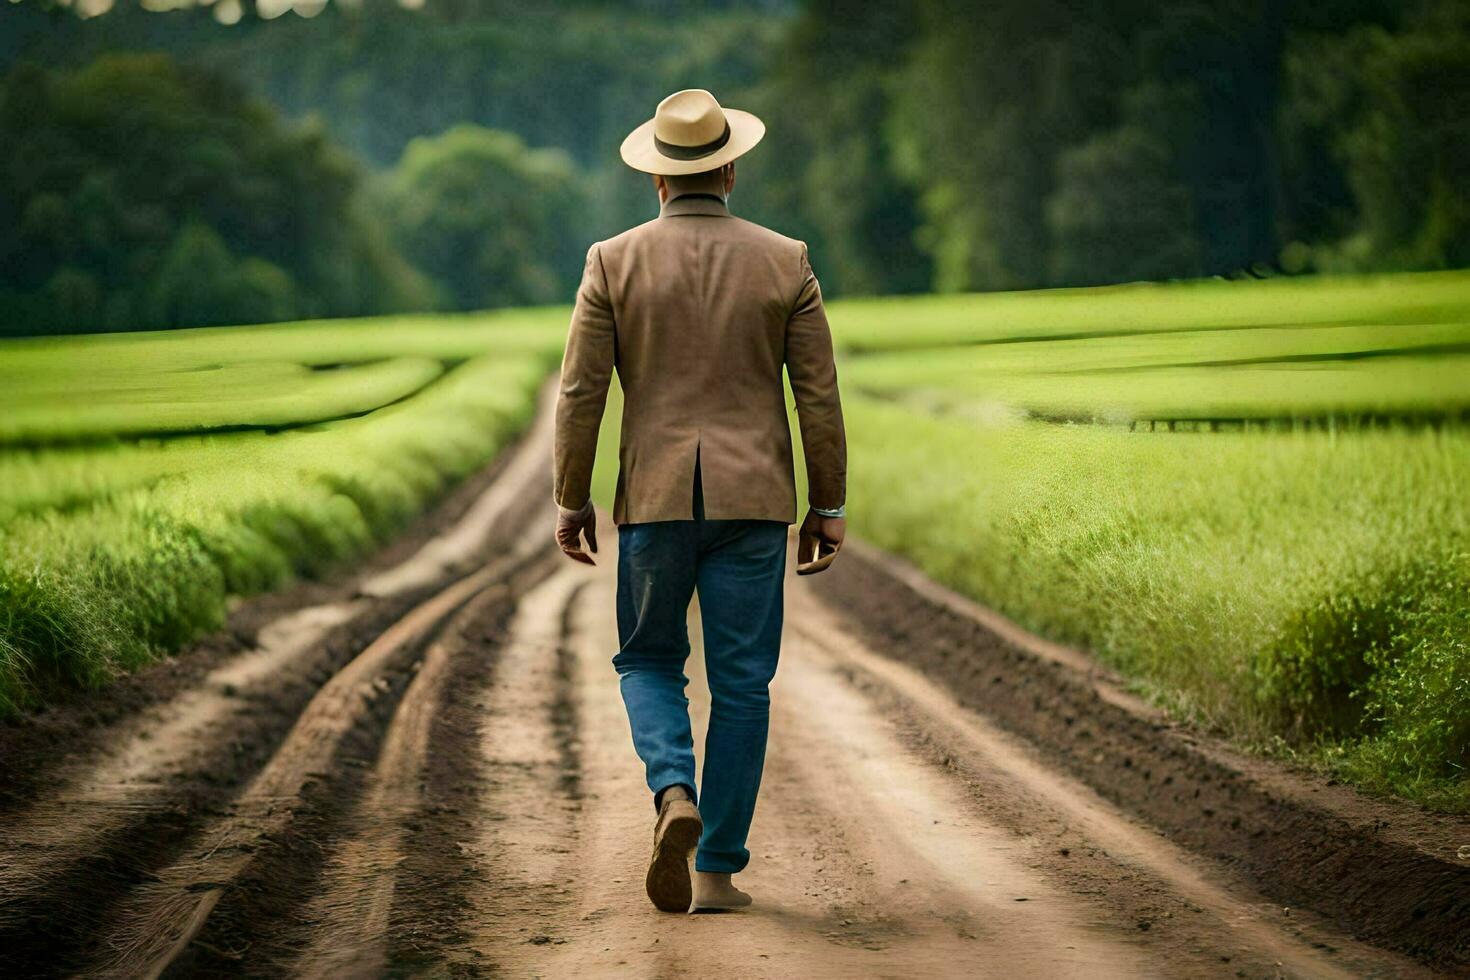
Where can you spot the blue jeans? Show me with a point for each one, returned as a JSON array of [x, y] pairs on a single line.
[[737, 568]]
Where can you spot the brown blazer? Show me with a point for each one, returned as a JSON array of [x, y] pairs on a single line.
[[699, 311]]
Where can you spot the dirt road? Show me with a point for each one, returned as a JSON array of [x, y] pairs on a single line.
[[427, 771]]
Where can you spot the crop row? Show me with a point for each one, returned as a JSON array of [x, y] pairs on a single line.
[[113, 554]]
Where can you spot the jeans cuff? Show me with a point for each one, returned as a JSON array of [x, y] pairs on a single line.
[[724, 864]]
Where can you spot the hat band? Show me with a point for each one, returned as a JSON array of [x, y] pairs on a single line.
[[677, 152]]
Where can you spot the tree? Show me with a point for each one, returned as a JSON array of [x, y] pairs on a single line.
[[200, 283], [493, 222], [937, 144], [143, 194], [828, 172], [993, 94], [1120, 213], [1377, 142]]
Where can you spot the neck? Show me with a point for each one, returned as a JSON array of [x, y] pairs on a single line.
[[709, 183]]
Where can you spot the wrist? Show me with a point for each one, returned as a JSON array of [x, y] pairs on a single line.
[[839, 511], [575, 513]]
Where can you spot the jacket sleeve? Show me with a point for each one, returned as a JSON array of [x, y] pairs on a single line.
[[813, 374], [586, 371]]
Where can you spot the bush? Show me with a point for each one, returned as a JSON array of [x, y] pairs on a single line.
[[1418, 700]]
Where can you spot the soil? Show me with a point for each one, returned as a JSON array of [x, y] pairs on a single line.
[[425, 769], [1380, 870]]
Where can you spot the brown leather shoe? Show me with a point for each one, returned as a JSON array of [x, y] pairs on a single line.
[[715, 892], [675, 836]]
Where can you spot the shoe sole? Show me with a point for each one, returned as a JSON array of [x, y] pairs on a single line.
[[668, 884], [717, 909]]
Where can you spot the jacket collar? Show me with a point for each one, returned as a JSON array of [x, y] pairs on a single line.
[[694, 204]]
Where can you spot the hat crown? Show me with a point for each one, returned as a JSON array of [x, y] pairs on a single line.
[[692, 117], [690, 133]]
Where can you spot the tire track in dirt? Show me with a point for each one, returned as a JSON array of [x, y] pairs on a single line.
[[94, 795], [460, 796], [936, 890], [161, 918], [844, 887], [359, 879], [111, 823], [897, 835], [530, 757], [1375, 868], [100, 802], [585, 892], [1193, 918]]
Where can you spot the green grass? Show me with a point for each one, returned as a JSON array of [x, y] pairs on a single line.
[[113, 554], [254, 394], [1301, 588], [1308, 586], [1346, 390], [1252, 499], [1280, 551], [1289, 351], [440, 337], [899, 323]]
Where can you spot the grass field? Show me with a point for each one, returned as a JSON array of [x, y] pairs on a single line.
[[273, 452], [1250, 498], [1302, 586], [1266, 528], [907, 322], [1341, 375]]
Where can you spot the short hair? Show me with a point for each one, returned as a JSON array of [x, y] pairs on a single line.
[[704, 176]]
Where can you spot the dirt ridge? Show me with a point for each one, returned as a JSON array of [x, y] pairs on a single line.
[[426, 770], [115, 791], [1386, 873]]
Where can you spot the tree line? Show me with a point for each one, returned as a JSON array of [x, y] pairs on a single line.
[[163, 170], [1024, 143]]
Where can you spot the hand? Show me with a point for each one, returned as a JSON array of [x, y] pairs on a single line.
[[818, 542], [570, 525]]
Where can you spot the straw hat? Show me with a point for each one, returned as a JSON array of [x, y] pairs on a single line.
[[689, 134]]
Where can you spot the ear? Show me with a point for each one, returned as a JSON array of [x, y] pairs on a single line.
[[729, 177], [661, 187]]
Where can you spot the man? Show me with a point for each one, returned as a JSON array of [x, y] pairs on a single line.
[[699, 311]]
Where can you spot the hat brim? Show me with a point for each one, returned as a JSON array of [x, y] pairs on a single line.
[[639, 151]]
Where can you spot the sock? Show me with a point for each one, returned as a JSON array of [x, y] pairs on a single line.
[[674, 792]]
